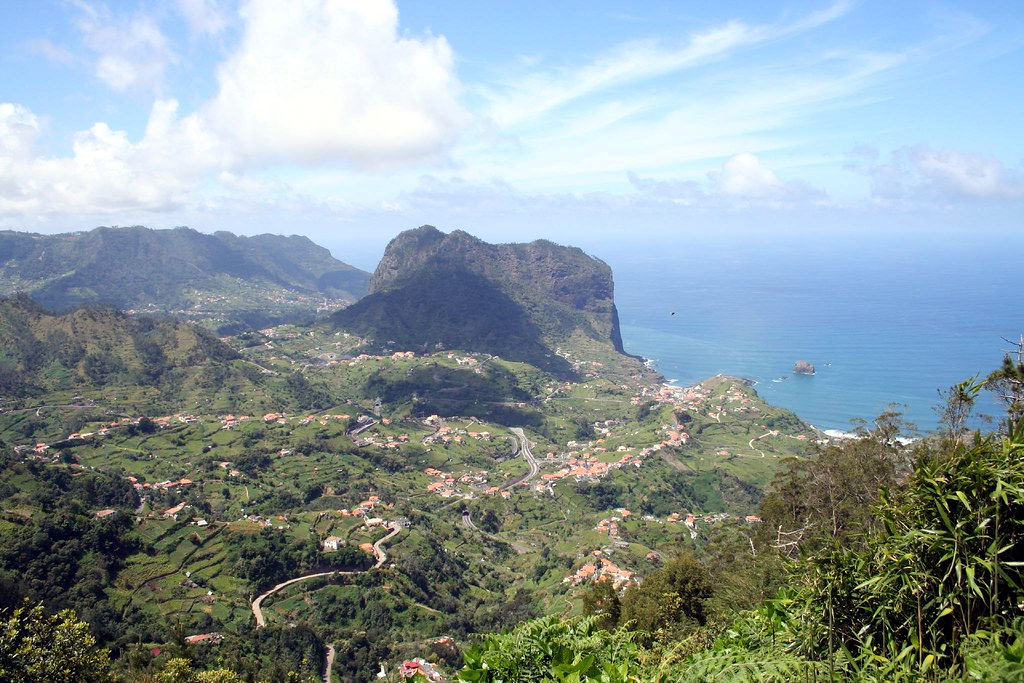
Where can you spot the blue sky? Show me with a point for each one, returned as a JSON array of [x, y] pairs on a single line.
[[349, 121]]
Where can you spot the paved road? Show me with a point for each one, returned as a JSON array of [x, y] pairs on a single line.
[[468, 521], [361, 428], [524, 448], [378, 547], [257, 610]]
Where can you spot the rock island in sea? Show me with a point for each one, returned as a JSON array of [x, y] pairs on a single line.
[[803, 367]]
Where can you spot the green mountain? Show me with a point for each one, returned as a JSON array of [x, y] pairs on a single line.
[[97, 346], [224, 280], [527, 302], [97, 354]]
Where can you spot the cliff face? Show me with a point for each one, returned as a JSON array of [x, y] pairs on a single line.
[[456, 291]]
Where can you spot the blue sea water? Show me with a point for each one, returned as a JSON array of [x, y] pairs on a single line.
[[885, 318]]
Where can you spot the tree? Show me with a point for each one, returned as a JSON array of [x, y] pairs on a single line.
[[179, 670], [602, 602], [945, 561], [146, 425], [553, 649], [957, 408], [40, 648], [670, 598], [831, 495], [1007, 383], [490, 522]]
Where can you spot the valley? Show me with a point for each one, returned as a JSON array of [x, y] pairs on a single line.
[[551, 475]]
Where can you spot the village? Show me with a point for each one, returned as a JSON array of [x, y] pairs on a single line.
[[578, 462]]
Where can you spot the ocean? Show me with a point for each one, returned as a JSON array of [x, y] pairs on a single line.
[[885, 318]]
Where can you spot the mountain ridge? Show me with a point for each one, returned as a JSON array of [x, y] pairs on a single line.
[[229, 278]]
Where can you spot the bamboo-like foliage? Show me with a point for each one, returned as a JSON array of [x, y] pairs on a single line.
[[947, 562]]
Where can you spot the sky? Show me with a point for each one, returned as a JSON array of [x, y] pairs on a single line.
[[590, 123]]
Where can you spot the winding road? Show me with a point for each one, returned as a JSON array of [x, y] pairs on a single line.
[[467, 521], [524, 448], [758, 438], [378, 552]]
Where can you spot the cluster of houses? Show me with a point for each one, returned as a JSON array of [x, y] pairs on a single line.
[[610, 525], [419, 667], [204, 639], [369, 356], [382, 441], [743, 404], [161, 422], [447, 485], [277, 522], [691, 520], [576, 463], [161, 486], [587, 368], [447, 434], [365, 508], [323, 419], [41, 447], [681, 398], [602, 569], [699, 398], [232, 421], [172, 513]]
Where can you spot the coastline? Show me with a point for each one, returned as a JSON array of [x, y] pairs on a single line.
[[823, 433]]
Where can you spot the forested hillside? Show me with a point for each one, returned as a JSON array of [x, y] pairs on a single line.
[[224, 280]]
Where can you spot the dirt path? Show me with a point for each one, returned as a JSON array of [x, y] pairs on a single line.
[[382, 557], [328, 663], [758, 438], [378, 551]]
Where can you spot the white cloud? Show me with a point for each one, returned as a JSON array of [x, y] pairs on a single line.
[[131, 51], [967, 174], [744, 176], [919, 174], [516, 101], [316, 82], [204, 17], [53, 52], [105, 173], [741, 181], [18, 129], [693, 117], [313, 82]]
